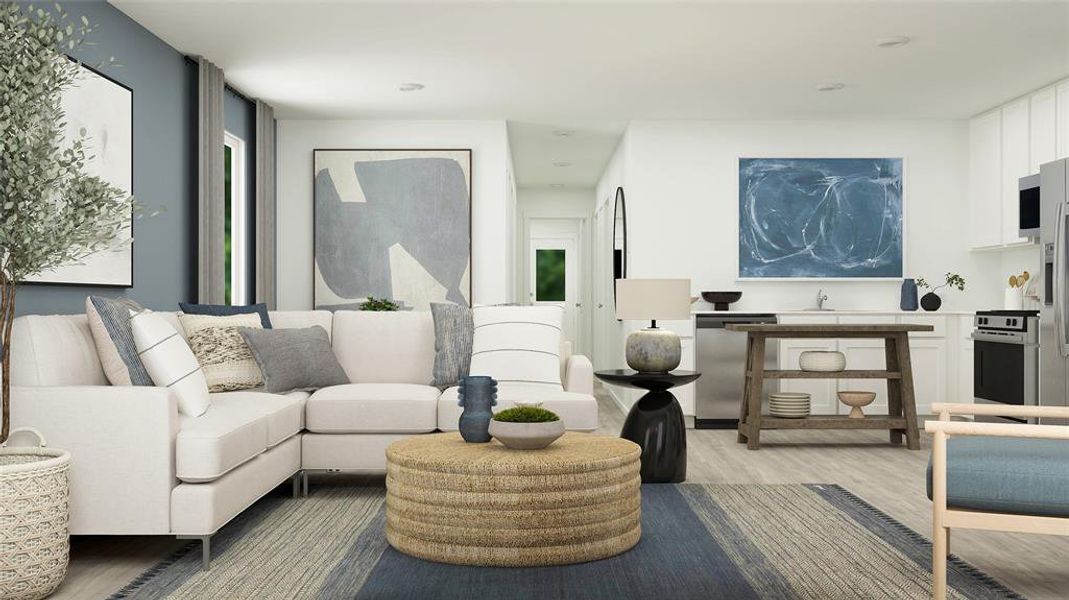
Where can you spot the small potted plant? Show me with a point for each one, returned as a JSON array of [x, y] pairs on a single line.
[[931, 301], [374, 304], [526, 427]]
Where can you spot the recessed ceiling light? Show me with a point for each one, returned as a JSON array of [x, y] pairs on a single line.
[[556, 185], [564, 132], [411, 87], [830, 87], [893, 42], [562, 163]]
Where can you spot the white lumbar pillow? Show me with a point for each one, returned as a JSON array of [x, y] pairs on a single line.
[[518, 344], [170, 362]]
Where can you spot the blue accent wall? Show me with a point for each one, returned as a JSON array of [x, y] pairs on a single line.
[[165, 168]]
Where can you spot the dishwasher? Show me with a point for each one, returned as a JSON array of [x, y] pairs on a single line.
[[721, 357]]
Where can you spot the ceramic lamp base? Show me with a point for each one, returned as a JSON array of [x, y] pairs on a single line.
[[653, 350]]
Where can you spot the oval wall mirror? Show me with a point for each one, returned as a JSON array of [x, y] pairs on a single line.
[[619, 240]]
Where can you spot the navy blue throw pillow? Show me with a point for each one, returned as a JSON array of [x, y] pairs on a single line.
[[223, 310]]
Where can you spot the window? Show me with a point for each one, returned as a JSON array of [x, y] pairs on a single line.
[[549, 275], [235, 238]]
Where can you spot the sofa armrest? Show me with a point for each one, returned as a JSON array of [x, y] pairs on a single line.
[[579, 375], [121, 441]]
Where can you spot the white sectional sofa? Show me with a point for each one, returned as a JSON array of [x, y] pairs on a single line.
[[139, 467]]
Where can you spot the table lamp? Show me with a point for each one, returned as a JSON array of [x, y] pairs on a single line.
[[653, 350]]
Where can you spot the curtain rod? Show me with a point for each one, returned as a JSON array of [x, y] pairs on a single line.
[[237, 92]]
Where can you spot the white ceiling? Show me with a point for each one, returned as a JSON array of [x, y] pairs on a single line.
[[593, 66]]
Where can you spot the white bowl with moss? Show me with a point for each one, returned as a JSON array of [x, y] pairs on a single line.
[[526, 427]]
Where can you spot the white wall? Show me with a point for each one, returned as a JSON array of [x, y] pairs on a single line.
[[492, 228], [682, 195]]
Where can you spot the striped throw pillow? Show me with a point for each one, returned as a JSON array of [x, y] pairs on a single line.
[[170, 362], [109, 322], [518, 344]]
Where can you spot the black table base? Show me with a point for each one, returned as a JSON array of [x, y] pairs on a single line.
[[656, 423]]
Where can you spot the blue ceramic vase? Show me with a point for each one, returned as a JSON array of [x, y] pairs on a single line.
[[478, 393], [909, 294]]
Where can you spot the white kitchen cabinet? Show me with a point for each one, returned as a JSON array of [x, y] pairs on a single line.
[[823, 400], [965, 373], [929, 359], [685, 394], [1061, 120], [985, 176], [1042, 129], [1016, 126]]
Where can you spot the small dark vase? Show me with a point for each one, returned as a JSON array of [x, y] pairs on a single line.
[[931, 302], [909, 295], [477, 394]]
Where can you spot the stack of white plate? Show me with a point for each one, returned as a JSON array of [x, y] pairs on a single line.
[[790, 405]]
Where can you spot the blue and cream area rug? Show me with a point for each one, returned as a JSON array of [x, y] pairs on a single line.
[[698, 541]]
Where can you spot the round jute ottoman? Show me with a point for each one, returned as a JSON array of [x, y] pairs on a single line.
[[483, 504]]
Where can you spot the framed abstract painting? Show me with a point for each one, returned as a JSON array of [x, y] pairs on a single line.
[[392, 224], [103, 108], [820, 218]]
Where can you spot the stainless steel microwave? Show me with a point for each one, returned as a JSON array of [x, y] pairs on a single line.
[[1028, 205]]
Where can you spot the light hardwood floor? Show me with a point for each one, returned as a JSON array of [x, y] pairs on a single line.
[[891, 478]]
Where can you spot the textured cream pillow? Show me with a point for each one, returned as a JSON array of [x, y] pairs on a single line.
[[221, 351], [169, 362]]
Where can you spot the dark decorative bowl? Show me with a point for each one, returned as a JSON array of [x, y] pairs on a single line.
[[720, 300]]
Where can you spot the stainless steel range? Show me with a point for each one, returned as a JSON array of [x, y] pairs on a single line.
[[1006, 359]]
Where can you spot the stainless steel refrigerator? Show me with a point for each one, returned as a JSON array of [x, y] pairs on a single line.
[[1054, 315]]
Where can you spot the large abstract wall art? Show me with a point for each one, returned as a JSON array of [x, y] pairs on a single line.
[[822, 218], [392, 224], [103, 109]]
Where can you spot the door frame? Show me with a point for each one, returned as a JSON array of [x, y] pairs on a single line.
[[581, 333]]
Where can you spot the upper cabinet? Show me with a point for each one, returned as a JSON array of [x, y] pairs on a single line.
[[1006, 144], [985, 177], [1015, 164], [1043, 108], [1061, 121]]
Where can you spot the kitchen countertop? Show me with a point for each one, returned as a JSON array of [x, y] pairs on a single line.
[[845, 311]]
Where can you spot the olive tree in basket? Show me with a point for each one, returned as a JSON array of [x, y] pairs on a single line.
[[51, 211]]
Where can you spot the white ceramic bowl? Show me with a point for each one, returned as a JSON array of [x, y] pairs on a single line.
[[821, 360], [526, 436]]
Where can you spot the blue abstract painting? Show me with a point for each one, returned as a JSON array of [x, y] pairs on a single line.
[[820, 217]]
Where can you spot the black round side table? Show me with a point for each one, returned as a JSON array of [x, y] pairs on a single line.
[[655, 422]]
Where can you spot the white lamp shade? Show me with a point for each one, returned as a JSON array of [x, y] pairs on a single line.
[[652, 299]]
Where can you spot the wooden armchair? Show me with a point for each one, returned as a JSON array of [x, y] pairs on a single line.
[[1006, 476]]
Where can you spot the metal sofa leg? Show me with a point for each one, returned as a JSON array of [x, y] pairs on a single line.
[[205, 548], [297, 478], [304, 483]]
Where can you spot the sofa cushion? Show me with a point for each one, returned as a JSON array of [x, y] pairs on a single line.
[[222, 438], [56, 350], [284, 414], [224, 357], [373, 408], [385, 347], [299, 319], [1007, 475], [518, 344], [225, 310], [170, 362], [109, 322], [578, 411]]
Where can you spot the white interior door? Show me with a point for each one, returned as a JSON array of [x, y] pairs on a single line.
[[553, 271]]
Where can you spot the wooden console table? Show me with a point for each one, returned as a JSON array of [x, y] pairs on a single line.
[[901, 403]]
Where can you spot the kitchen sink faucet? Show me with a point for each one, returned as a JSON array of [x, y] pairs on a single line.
[[821, 297]]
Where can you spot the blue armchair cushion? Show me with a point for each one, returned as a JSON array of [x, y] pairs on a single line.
[[1007, 475]]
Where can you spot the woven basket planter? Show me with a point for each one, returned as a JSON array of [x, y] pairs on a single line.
[[34, 519]]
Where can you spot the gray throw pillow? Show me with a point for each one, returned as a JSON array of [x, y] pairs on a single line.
[[294, 359], [453, 334]]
